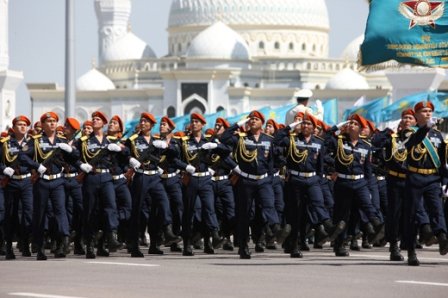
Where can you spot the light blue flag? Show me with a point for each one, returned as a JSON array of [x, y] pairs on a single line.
[[411, 32], [371, 110], [279, 113], [330, 111], [393, 111]]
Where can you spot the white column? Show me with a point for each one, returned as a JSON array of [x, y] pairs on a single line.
[[4, 56]]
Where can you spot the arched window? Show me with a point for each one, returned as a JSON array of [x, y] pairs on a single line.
[[171, 112], [219, 109], [303, 46], [291, 46], [277, 45], [261, 45]]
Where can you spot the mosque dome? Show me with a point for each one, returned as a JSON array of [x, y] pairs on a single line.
[[347, 79], [94, 80], [350, 53], [129, 47], [250, 12], [219, 42]]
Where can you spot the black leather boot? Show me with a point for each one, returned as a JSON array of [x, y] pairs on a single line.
[[244, 252], [378, 228], [395, 254], [427, 237], [412, 258], [41, 256], [90, 250], [175, 247], [332, 230], [295, 252], [227, 244], [26, 247], [354, 244], [154, 248], [170, 237], [281, 233], [9, 252], [188, 249], [208, 248], [217, 240], [2, 244], [78, 246], [443, 244], [112, 242], [101, 250], [59, 252], [340, 250]]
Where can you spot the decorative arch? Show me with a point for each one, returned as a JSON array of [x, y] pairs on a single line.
[[194, 103], [171, 111]]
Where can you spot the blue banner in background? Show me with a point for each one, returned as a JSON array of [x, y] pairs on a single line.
[[411, 32], [331, 111], [371, 111]]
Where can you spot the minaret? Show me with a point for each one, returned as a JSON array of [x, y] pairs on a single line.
[[9, 79], [113, 19]]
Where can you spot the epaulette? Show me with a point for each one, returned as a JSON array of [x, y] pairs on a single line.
[[267, 135], [156, 136], [62, 137], [367, 142], [5, 139], [133, 137], [111, 138], [185, 138], [292, 134], [84, 138], [363, 137], [177, 137], [341, 137], [242, 134], [394, 135], [208, 136], [37, 136]]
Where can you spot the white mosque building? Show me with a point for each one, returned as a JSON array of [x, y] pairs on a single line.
[[227, 55]]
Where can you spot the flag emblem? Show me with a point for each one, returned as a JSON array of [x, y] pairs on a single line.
[[422, 12]]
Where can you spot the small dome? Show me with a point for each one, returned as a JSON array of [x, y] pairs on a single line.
[[130, 47], [347, 79], [350, 53], [219, 42], [94, 80]]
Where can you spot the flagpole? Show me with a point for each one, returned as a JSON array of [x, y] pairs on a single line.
[[70, 92]]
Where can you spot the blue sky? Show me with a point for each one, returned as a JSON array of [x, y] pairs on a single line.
[[36, 35]]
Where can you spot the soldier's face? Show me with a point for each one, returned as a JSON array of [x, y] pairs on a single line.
[[50, 125], [423, 115], [87, 130], [196, 125], [97, 123], [353, 127], [219, 128], [114, 126], [20, 127], [145, 125], [307, 128], [365, 131], [255, 123], [269, 129], [407, 121], [164, 128]]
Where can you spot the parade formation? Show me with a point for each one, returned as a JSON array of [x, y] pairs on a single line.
[[85, 188]]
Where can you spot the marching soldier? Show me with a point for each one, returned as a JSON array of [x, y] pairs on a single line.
[[50, 150], [196, 154], [426, 173], [146, 151], [17, 177], [98, 189], [253, 151], [352, 156]]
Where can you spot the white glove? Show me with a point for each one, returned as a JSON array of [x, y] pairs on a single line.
[[294, 124], [211, 171], [242, 122], [114, 147], [8, 171], [190, 169], [41, 169], [339, 125], [65, 147], [134, 163], [237, 170], [209, 146], [160, 170], [86, 168], [319, 106], [160, 144], [445, 191], [431, 122]]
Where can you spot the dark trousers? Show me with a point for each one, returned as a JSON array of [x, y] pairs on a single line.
[[422, 190], [225, 205], [278, 185], [49, 191], [74, 203], [100, 206], [18, 191], [124, 199], [173, 188], [249, 191]]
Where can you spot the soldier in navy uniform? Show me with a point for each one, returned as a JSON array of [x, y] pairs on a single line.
[[253, 152], [426, 173], [221, 168], [196, 152], [305, 168], [171, 177], [49, 151], [118, 168], [145, 152], [352, 157], [16, 171], [73, 189], [100, 208]]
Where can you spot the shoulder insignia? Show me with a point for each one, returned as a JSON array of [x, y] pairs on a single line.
[[62, 137], [84, 138], [207, 136], [242, 134], [185, 138], [5, 139], [341, 137], [365, 141], [37, 136], [156, 136], [133, 137], [111, 138], [394, 135]]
